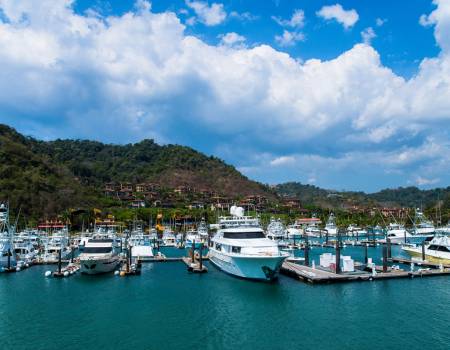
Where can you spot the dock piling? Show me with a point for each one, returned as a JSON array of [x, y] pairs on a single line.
[[338, 255], [389, 248], [384, 258], [423, 250], [59, 260], [366, 255]]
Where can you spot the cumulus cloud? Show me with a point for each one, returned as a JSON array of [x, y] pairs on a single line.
[[244, 16], [368, 35], [210, 15], [232, 39], [380, 21], [289, 38], [122, 78], [347, 18], [296, 21]]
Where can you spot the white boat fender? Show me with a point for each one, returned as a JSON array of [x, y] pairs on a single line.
[[17, 269], [48, 273], [116, 273], [66, 273]]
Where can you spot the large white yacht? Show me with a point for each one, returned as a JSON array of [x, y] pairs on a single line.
[[98, 256], [438, 250], [241, 249], [330, 226], [397, 233]]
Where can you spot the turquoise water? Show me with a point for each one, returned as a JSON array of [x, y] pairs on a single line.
[[167, 308]]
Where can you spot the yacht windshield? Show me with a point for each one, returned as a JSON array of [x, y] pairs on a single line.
[[97, 250], [243, 235]]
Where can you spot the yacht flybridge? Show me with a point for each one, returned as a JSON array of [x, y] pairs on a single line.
[[330, 226], [241, 249], [422, 226]]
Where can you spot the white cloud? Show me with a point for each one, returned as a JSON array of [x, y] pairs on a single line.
[[368, 35], [231, 39], [296, 21], [289, 38], [139, 75], [380, 21], [283, 160], [210, 15], [347, 18], [423, 181], [425, 21], [244, 16]]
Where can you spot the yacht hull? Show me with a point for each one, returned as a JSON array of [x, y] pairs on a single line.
[[432, 256], [262, 268], [99, 265]]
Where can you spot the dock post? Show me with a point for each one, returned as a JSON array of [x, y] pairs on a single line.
[[404, 233], [72, 254], [389, 248], [9, 258], [338, 255], [423, 250], [384, 258], [366, 256], [357, 236], [306, 251], [59, 260], [326, 236], [201, 256]]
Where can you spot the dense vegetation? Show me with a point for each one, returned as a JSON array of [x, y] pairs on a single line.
[[47, 178]]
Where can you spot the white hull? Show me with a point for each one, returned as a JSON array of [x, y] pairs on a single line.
[[142, 253], [424, 231], [264, 268], [97, 265]]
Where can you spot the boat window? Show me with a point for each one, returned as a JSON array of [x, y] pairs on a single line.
[[236, 250], [97, 250], [243, 235], [218, 246], [443, 249], [433, 247]]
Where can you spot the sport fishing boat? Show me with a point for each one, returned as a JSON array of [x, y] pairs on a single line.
[[422, 226], [241, 249], [397, 233], [202, 230], [438, 250], [353, 230], [99, 256], [7, 256], [294, 231], [168, 238], [330, 226], [275, 230], [193, 238]]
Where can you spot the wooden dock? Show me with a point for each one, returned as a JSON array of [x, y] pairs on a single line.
[[318, 275]]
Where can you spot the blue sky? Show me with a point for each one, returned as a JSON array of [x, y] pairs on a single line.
[[340, 94]]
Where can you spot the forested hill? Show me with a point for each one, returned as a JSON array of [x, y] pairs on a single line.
[[51, 176], [403, 196]]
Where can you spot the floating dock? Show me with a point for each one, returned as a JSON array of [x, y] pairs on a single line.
[[194, 266], [318, 275]]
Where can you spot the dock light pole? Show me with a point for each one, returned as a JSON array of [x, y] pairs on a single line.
[[384, 258], [338, 254]]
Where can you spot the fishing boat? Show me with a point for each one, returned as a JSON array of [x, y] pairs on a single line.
[[193, 239], [99, 256], [422, 226], [330, 226], [397, 233], [168, 238], [202, 230], [240, 248], [7, 256], [437, 250], [354, 230], [275, 230], [294, 231]]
